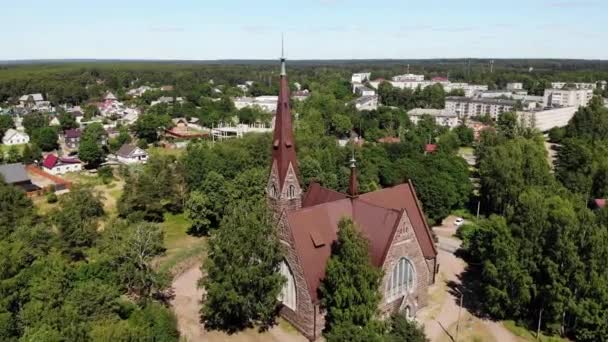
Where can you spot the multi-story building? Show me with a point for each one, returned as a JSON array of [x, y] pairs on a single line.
[[408, 77], [267, 103], [360, 77], [567, 97], [366, 102], [462, 107], [440, 116], [561, 85], [515, 86]]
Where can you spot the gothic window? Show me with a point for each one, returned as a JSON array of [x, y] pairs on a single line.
[[291, 192], [401, 280], [288, 292], [273, 191]]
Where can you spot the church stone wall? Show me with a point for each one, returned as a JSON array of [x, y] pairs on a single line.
[[406, 245]]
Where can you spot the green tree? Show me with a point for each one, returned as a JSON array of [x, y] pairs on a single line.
[[465, 135], [349, 291], [198, 209], [89, 149], [34, 121], [242, 282], [67, 121], [13, 155], [6, 122], [45, 138], [147, 126]]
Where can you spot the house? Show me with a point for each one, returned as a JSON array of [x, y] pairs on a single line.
[[167, 99], [267, 103], [360, 77], [389, 140], [301, 95], [131, 154], [15, 137], [182, 129], [400, 241], [30, 100], [71, 138], [366, 102], [110, 97], [54, 122], [15, 174], [59, 165], [166, 88], [430, 148]]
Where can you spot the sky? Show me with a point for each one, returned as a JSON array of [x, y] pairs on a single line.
[[313, 29]]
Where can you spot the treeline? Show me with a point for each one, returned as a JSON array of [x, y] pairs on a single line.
[[63, 279], [542, 251], [78, 83]]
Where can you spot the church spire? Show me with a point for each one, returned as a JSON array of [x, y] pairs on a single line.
[[283, 145], [353, 185]]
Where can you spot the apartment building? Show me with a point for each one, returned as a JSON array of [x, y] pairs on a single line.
[[567, 97], [461, 106]]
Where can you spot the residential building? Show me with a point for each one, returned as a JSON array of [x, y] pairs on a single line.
[[575, 85], [362, 90], [30, 100], [15, 137], [400, 241], [60, 165], [360, 77], [545, 119], [300, 95], [131, 154], [167, 99], [515, 86], [567, 97], [137, 92], [267, 103], [464, 107], [408, 77], [71, 137], [366, 102], [16, 175], [440, 116], [54, 122]]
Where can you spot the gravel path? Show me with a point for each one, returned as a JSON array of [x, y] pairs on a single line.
[[186, 306]]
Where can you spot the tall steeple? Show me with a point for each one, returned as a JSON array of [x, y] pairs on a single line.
[[283, 186]]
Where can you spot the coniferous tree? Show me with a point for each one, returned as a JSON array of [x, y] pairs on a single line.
[[242, 280], [350, 291]]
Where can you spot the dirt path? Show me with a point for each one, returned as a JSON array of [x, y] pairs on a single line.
[[441, 316], [186, 305]]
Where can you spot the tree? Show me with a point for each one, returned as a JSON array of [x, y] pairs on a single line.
[[242, 282], [89, 149], [67, 121], [45, 138], [13, 155], [465, 135], [402, 329], [198, 210], [31, 153], [147, 126], [34, 121], [349, 291], [6, 122]]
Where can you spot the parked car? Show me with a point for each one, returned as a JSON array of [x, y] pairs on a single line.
[[459, 221]]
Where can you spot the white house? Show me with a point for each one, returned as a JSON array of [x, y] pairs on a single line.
[[367, 103], [360, 77], [131, 154], [54, 122], [58, 166], [515, 86], [15, 137]]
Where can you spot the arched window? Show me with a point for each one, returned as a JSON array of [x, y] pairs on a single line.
[[291, 192], [273, 191], [401, 280], [288, 292]]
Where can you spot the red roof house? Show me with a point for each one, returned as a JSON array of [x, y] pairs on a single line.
[[59, 165], [430, 148]]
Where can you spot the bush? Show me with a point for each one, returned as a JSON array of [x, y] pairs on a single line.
[[556, 134], [465, 232], [51, 197], [106, 174]]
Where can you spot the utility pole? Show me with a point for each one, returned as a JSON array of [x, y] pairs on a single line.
[[459, 309], [478, 207], [540, 317]]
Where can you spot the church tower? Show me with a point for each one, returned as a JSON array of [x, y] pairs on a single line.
[[283, 188]]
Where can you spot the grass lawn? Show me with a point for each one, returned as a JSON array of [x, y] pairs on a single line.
[[182, 249], [528, 335], [167, 151]]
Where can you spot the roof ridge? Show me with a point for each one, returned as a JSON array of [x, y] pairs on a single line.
[[376, 205]]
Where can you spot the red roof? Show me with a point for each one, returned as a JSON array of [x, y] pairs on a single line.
[[377, 214], [72, 133], [50, 161], [283, 143], [600, 202], [430, 148], [389, 140], [439, 79]]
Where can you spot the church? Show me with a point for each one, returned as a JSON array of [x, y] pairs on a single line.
[[392, 219]]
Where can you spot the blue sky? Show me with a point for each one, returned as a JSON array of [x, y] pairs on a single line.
[[314, 29]]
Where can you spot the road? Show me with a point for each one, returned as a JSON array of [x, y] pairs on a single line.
[[438, 319]]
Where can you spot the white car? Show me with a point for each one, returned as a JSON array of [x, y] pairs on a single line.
[[459, 221]]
